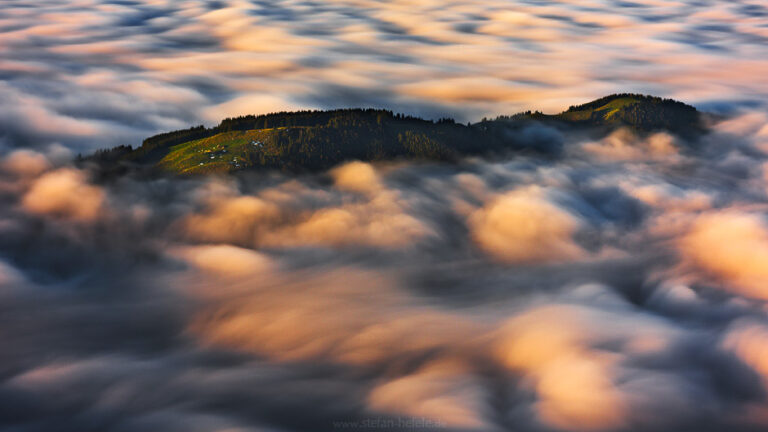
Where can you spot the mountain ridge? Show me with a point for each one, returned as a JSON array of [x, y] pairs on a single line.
[[320, 139]]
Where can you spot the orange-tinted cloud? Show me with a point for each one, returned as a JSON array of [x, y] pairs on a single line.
[[574, 383], [524, 226], [65, 193], [732, 246]]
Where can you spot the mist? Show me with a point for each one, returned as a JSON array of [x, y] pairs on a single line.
[[91, 74], [618, 286], [589, 283]]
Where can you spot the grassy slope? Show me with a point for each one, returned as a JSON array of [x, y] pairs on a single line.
[[605, 112], [194, 157]]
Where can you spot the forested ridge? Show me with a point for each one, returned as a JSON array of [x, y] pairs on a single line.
[[320, 139]]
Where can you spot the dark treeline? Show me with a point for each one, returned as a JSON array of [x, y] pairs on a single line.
[[525, 115], [110, 155], [151, 148], [676, 118], [155, 145], [318, 142], [310, 118]]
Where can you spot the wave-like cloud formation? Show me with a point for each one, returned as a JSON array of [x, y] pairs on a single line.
[[619, 286], [604, 290], [97, 73]]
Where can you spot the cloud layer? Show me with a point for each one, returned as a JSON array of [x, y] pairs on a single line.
[[97, 73], [595, 291], [619, 285]]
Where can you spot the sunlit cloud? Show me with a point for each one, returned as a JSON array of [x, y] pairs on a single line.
[[733, 246], [65, 193], [524, 226]]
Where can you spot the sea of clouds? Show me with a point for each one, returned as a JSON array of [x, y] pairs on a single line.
[[97, 73], [618, 285]]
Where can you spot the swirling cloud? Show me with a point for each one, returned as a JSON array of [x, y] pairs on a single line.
[[615, 284]]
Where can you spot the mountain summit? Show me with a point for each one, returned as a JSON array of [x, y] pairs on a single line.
[[637, 111], [310, 140]]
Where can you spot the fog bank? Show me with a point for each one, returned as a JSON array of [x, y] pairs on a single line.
[[612, 288]]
